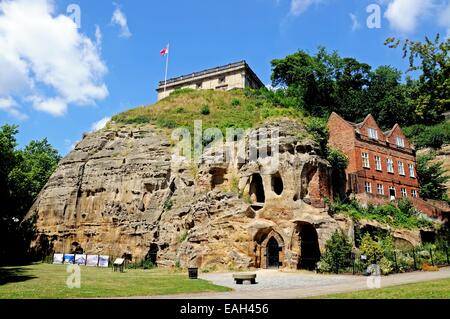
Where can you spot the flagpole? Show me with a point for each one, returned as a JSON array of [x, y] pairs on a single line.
[[167, 67]]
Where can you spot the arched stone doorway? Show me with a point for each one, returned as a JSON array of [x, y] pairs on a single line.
[[269, 249], [309, 246]]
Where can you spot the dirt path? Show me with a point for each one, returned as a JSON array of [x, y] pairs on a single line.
[[280, 285]]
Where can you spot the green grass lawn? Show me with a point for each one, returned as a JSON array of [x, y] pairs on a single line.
[[439, 289], [49, 281]]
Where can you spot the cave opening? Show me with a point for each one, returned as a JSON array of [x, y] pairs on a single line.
[[277, 184], [257, 189]]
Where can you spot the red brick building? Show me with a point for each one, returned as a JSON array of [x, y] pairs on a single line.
[[380, 163]]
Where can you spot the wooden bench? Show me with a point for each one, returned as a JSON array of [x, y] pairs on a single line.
[[240, 278]]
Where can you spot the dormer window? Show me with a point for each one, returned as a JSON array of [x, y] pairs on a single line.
[[400, 142], [373, 133]]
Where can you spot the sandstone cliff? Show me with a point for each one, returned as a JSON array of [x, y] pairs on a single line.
[[121, 191]]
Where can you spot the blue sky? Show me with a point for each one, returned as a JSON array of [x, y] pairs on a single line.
[[64, 91]]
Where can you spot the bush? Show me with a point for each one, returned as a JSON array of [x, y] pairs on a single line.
[[337, 252], [317, 127], [429, 136], [168, 204], [143, 264], [371, 249], [204, 110], [386, 266], [323, 266], [338, 160], [179, 110]]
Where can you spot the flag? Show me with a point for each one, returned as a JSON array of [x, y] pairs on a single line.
[[164, 51]]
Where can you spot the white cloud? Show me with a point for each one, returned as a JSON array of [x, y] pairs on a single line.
[[100, 124], [120, 19], [355, 23], [300, 6], [10, 106], [43, 52], [98, 36], [404, 15]]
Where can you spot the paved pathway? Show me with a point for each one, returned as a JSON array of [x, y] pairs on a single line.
[[274, 284]]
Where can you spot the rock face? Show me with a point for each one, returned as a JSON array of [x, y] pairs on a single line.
[[123, 192]]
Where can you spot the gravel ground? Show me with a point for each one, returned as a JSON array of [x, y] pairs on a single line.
[[274, 279]]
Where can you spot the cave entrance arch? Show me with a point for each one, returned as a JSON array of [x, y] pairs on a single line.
[[152, 254], [257, 188], [309, 246], [273, 253]]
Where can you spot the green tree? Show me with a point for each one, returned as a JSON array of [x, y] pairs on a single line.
[[431, 58], [387, 98], [432, 178], [23, 173]]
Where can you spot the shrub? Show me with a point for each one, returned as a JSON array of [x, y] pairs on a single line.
[[179, 110], [386, 266], [177, 264], [148, 264], [317, 127], [338, 160], [204, 110], [168, 204], [406, 207], [337, 250], [371, 249], [323, 266], [429, 136]]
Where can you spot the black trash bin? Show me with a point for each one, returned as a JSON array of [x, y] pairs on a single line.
[[193, 273]]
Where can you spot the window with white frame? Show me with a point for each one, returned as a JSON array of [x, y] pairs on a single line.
[[403, 191], [378, 163], [390, 165], [414, 193], [401, 168], [365, 160], [368, 187], [373, 134], [412, 172], [400, 142], [380, 189]]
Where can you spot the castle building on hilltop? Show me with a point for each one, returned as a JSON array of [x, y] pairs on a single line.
[[380, 163], [228, 77]]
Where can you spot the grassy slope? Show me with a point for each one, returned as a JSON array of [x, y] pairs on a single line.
[[49, 281], [439, 289], [226, 109]]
